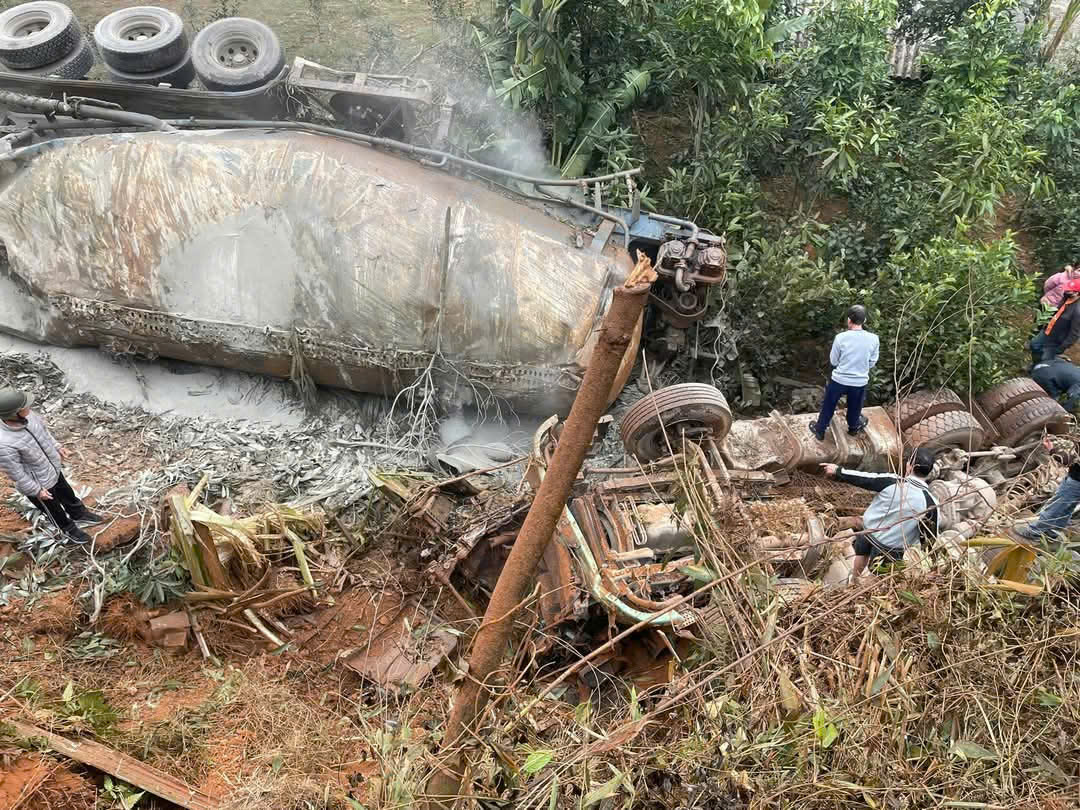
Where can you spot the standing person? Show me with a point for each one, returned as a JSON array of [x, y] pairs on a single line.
[[902, 513], [853, 354], [1063, 329], [1059, 378], [31, 458]]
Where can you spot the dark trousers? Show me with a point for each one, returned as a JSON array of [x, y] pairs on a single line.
[[65, 506], [833, 392]]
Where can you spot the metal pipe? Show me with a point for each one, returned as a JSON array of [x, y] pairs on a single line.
[[683, 223], [489, 646], [585, 207], [389, 143], [81, 109]]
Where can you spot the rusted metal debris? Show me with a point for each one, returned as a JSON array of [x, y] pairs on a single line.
[[121, 766], [403, 650], [624, 545], [169, 630]]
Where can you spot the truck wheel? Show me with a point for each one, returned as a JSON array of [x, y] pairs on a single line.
[[914, 408], [37, 34], [179, 76], [1027, 420], [73, 66], [1006, 395], [142, 39], [237, 54], [689, 407], [945, 430]]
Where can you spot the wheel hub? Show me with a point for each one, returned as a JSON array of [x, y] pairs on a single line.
[[236, 53], [31, 28], [141, 34]]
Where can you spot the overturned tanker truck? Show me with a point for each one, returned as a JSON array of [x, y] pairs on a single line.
[[207, 236]]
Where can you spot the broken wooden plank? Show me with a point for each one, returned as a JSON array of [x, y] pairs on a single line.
[[207, 548], [128, 769]]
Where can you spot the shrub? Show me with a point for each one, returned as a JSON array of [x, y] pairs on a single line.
[[951, 312]]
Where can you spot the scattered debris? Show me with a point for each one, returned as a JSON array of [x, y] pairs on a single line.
[[402, 649]]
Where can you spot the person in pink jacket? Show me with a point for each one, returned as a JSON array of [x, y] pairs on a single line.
[[1054, 289]]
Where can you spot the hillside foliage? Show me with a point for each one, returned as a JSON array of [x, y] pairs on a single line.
[[832, 180]]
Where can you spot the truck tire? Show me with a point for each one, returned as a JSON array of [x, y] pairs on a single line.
[[1024, 421], [179, 76], [1006, 395], [33, 35], [73, 66], [237, 54], [914, 408], [687, 406], [946, 430], [141, 39]]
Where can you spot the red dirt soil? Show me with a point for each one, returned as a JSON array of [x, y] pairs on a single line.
[[39, 783]]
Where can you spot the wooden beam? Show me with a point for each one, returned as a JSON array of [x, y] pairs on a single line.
[[123, 767]]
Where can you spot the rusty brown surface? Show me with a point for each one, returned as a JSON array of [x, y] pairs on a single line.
[[403, 650], [106, 236], [489, 646]]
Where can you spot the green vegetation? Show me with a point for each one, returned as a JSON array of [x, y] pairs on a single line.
[[832, 180]]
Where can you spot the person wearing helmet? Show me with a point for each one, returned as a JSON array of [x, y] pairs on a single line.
[[31, 458], [1054, 288], [1063, 329]]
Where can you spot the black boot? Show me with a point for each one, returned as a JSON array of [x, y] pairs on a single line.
[[863, 422], [77, 535], [84, 515]]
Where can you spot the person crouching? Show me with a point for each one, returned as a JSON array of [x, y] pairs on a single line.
[[902, 513]]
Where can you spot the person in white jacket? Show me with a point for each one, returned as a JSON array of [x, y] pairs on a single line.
[[853, 354], [31, 458]]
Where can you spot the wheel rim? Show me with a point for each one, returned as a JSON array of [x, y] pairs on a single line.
[[28, 24], [655, 442], [139, 32], [236, 52]]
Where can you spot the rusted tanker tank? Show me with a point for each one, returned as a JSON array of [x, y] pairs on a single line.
[[254, 249]]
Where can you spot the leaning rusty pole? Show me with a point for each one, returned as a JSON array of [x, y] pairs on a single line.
[[493, 637]]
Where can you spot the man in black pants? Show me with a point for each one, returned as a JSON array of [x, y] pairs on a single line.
[[31, 458], [1059, 378], [902, 513]]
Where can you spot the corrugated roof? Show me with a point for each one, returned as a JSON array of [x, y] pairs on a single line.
[[904, 59]]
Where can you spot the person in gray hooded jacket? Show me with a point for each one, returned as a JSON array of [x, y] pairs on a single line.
[[902, 513], [31, 458]]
